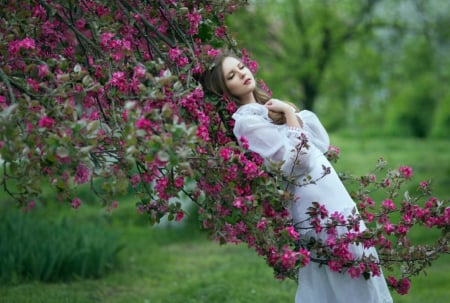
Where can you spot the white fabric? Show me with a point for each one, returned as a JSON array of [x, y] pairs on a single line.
[[277, 143]]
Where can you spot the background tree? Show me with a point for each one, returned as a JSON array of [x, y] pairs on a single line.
[[353, 61]]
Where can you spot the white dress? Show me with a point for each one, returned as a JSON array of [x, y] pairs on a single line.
[[317, 284]]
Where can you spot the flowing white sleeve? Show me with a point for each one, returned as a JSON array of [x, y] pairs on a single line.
[[317, 134], [274, 144]]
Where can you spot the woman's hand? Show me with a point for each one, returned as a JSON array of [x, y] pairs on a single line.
[[288, 110], [279, 106]]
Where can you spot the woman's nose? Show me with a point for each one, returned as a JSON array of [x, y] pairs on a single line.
[[241, 74]]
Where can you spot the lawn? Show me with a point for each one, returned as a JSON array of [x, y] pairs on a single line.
[[175, 263]]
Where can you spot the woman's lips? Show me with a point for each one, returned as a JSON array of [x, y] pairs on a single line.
[[247, 81]]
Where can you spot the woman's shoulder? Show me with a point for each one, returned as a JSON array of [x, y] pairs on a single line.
[[306, 112], [307, 115], [251, 110]]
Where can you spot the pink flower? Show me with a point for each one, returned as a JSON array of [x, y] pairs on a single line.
[[139, 71], [182, 61], [334, 149], [203, 118], [143, 124], [289, 258], [28, 43], [406, 171], [213, 52], [292, 232], [388, 228], [317, 225], [43, 70], [39, 12], [407, 218], [388, 204], [46, 122], [194, 21], [250, 170], [331, 241], [431, 202], [221, 32], [76, 202], [238, 202], [118, 80], [179, 182], [335, 265], [231, 107], [134, 180], [304, 255], [179, 216], [354, 272], [33, 83], [262, 224], [253, 66], [370, 201], [102, 10], [174, 53], [403, 286], [105, 39], [244, 142], [80, 23], [16, 45], [226, 153], [402, 229], [31, 204], [369, 217], [375, 269], [391, 281], [115, 204], [161, 186], [82, 174], [203, 133], [323, 211]]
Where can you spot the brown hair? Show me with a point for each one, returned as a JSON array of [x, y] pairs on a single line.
[[214, 82]]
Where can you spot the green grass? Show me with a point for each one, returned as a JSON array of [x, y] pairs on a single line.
[[178, 264], [430, 159]]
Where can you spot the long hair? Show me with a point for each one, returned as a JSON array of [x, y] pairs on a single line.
[[213, 81]]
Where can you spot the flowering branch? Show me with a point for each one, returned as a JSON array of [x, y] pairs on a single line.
[[107, 93]]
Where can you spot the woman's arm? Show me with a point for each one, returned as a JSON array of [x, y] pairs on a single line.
[[317, 133], [265, 139]]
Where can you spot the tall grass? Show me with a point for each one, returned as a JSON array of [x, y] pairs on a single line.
[[36, 248]]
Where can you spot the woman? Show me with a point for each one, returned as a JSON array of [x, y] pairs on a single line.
[[272, 129]]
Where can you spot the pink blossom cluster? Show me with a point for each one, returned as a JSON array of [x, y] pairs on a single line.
[[17, 45]]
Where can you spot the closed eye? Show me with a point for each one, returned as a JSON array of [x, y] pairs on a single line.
[[231, 75]]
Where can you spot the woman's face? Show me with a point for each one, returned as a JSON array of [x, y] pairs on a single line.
[[238, 79]]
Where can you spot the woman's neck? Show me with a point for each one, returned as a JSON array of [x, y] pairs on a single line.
[[247, 99]]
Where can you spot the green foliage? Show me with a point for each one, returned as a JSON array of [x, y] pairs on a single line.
[[34, 248], [441, 118]]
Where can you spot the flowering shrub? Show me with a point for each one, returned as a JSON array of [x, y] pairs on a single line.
[[105, 93]]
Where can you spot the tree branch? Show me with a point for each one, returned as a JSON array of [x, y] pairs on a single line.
[[5, 79], [60, 17], [148, 24]]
